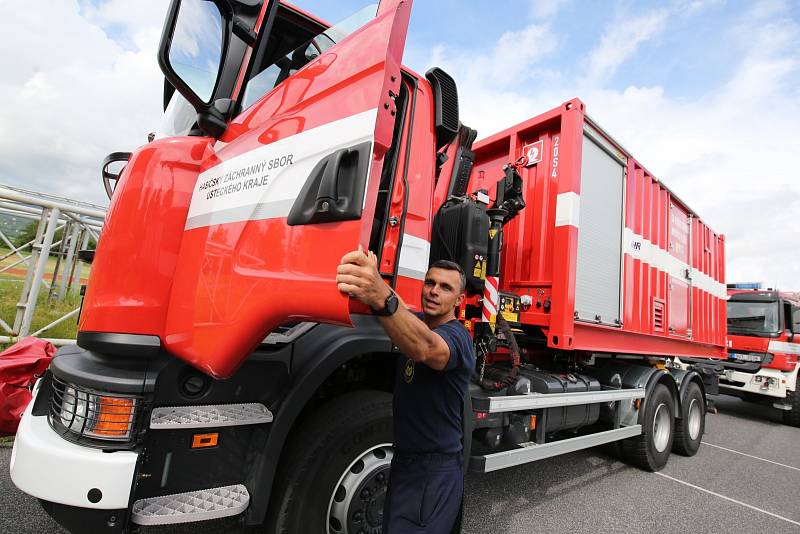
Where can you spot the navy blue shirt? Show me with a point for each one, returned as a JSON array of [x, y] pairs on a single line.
[[428, 404]]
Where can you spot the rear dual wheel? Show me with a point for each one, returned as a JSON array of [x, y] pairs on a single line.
[[650, 450], [689, 429]]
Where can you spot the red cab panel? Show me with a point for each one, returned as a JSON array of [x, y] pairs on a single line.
[[198, 247], [135, 260], [762, 325]]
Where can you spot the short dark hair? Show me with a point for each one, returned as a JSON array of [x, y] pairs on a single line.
[[451, 266]]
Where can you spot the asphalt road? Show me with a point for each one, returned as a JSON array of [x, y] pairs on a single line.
[[745, 478]]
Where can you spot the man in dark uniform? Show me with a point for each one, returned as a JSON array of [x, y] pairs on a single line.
[[426, 480]]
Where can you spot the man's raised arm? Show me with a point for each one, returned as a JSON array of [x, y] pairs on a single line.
[[358, 276]]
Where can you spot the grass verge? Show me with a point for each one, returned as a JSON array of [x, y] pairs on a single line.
[[46, 311]]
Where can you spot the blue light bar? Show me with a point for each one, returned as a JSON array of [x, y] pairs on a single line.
[[745, 285]]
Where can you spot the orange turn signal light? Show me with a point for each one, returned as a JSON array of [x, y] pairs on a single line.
[[114, 417], [201, 441]]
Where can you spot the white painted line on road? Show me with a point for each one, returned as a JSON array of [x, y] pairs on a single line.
[[751, 456], [793, 522]]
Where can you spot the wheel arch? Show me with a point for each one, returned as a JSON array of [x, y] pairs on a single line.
[[629, 375], [640, 376], [661, 377], [683, 378], [316, 358]]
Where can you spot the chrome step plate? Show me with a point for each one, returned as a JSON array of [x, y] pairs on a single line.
[[200, 505], [178, 417]]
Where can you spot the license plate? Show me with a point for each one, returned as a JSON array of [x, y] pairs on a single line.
[[738, 356]]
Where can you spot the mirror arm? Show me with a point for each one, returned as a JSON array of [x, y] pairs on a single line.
[[214, 120], [244, 33]]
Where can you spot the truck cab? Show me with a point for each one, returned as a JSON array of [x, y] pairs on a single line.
[[763, 348], [286, 142]]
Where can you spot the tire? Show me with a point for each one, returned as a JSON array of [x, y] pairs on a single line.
[[334, 476], [689, 429], [650, 450], [792, 417]]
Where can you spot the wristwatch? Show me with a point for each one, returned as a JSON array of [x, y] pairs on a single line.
[[389, 306]]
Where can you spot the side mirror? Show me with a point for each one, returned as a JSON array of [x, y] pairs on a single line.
[[192, 49], [113, 166]]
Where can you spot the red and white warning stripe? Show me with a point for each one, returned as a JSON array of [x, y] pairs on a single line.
[[490, 299]]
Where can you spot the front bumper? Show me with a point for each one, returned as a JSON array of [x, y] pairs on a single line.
[[50, 468], [767, 382]]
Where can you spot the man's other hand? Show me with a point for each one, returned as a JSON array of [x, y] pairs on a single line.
[[358, 276]]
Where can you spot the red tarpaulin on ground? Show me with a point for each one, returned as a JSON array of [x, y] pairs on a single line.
[[20, 366]]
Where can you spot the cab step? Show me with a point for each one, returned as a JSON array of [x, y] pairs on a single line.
[[210, 416], [200, 505]]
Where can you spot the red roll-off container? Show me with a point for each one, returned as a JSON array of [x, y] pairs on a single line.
[[612, 259]]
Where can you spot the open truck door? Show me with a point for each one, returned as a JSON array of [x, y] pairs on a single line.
[[288, 189]]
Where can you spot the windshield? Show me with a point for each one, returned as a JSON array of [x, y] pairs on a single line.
[[179, 117], [749, 318], [286, 65]]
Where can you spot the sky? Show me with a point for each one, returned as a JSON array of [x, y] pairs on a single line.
[[704, 93]]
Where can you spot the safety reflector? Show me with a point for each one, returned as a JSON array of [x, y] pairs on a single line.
[[533, 422], [201, 441]]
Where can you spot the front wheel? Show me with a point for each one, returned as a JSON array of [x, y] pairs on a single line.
[[336, 472], [650, 450], [792, 417], [690, 427]]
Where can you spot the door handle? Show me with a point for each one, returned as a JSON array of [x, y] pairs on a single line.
[[334, 191]]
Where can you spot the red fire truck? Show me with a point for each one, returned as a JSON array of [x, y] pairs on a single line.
[[763, 348], [219, 375]]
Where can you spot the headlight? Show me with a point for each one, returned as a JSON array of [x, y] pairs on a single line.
[[93, 414], [74, 408]]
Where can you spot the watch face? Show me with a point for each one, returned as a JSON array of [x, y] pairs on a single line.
[[391, 304]]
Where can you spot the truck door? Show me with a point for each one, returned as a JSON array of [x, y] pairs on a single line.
[[285, 193], [680, 272]]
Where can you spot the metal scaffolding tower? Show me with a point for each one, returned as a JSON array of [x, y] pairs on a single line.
[[79, 222]]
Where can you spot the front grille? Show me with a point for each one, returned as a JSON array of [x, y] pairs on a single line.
[[95, 418]]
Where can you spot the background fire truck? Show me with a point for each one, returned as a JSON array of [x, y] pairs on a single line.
[[220, 375], [763, 348]]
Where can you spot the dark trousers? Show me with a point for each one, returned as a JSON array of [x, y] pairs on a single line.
[[424, 495]]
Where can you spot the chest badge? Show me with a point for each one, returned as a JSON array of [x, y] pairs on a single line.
[[408, 372]]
